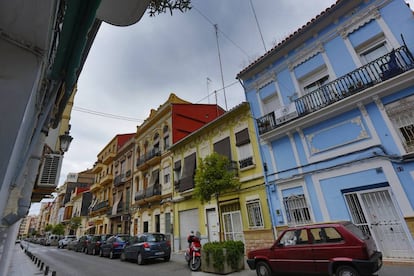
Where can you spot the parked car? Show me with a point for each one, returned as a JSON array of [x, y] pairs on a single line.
[[94, 246], [114, 245], [83, 243], [62, 243], [73, 244], [336, 248], [147, 246]]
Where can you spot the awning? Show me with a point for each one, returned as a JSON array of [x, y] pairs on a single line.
[[116, 203]]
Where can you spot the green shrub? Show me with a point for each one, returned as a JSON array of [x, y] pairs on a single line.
[[234, 253]]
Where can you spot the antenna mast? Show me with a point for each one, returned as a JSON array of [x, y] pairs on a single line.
[[221, 67]]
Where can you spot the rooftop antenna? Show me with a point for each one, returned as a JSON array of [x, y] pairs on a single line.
[[221, 67], [208, 89]]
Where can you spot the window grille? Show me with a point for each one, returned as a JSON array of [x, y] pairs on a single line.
[[401, 114], [297, 211], [254, 213]]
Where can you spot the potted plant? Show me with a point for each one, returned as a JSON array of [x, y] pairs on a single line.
[[222, 257]]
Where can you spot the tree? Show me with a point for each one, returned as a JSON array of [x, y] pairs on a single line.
[[74, 223], [58, 229], [48, 228], [162, 6], [214, 175]]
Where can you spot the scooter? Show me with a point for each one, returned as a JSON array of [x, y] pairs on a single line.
[[193, 254]]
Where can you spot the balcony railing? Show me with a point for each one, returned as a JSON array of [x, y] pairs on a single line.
[[246, 162], [388, 66], [100, 205], [153, 153]]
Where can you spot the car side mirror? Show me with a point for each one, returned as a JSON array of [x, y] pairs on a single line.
[[280, 244]]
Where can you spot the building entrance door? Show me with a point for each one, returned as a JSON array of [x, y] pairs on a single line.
[[375, 213]]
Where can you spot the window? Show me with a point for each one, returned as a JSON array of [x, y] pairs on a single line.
[[401, 114], [268, 96], [244, 148], [294, 237], [297, 211], [233, 228], [223, 147], [326, 235], [167, 175], [254, 214], [314, 80]]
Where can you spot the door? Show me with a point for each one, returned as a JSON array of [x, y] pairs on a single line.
[[188, 222], [212, 225], [375, 213]]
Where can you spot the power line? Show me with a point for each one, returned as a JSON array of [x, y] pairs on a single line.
[[106, 115]]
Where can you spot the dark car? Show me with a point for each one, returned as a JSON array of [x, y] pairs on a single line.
[[94, 246], [147, 246], [114, 245], [336, 248], [73, 244], [83, 243]]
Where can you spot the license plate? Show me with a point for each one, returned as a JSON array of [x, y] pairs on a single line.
[[159, 253]]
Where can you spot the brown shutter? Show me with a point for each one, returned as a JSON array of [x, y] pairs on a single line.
[[242, 137], [223, 147]]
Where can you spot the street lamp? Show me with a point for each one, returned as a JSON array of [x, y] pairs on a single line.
[[65, 140]]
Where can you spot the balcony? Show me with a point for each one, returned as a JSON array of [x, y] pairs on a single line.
[[100, 206], [97, 167], [386, 67], [119, 179], [150, 194], [108, 158], [107, 179], [153, 157]]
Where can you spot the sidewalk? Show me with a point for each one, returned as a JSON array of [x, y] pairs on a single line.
[[22, 264]]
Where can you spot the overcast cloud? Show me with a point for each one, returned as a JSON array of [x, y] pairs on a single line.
[[131, 70]]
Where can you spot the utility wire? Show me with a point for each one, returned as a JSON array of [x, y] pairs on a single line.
[[106, 115]]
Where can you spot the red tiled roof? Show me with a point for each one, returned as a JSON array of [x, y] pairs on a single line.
[[287, 39]]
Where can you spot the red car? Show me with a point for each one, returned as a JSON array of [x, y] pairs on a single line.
[[339, 248]]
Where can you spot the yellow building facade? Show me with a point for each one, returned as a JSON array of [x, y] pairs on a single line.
[[244, 213]]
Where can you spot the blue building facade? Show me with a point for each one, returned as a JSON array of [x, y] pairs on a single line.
[[334, 110]]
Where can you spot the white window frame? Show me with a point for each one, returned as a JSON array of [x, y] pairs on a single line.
[[315, 76], [166, 171], [297, 204], [254, 214], [371, 45], [401, 115], [230, 233]]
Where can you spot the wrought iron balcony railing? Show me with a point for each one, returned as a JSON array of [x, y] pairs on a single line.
[[388, 66]]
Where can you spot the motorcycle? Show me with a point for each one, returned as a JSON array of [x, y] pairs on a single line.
[[193, 254]]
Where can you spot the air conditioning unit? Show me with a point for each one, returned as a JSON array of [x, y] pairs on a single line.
[[50, 171], [286, 113]]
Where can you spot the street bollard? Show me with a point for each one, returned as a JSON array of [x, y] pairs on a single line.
[[41, 266], [46, 270], [53, 273]]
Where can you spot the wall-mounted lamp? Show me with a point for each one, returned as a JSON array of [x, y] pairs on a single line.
[[65, 140]]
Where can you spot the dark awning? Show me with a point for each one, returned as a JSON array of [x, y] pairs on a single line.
[[223, 147], [242, 137]]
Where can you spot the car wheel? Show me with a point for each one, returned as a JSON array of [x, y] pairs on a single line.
[[122, 257], [167, 258], [346, 270], [263, 269], [140, 260], [111, 255]]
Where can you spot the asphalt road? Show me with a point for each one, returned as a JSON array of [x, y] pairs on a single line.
[[70, 263]]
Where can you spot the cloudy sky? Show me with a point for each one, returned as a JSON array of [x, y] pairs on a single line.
[[131, 70]]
